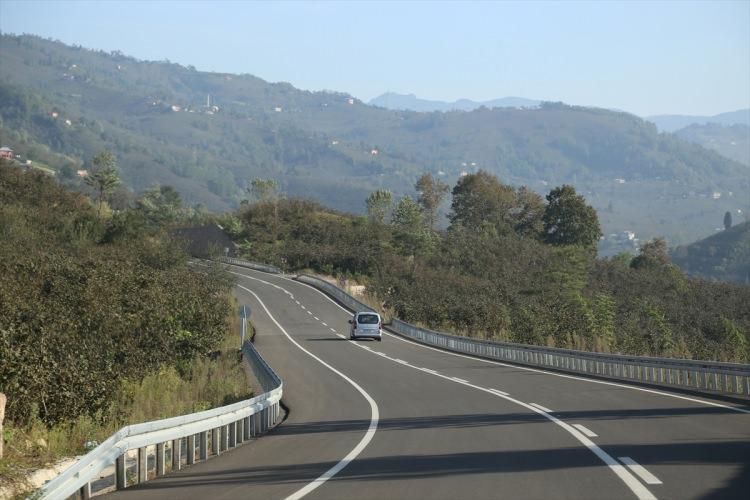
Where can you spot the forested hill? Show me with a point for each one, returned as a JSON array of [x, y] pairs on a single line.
[[208, 134], [724, 256]]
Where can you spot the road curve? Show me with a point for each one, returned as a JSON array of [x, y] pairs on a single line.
[[394, 419]]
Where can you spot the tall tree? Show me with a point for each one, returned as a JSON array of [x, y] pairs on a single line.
[[528, 213], [432, 192], [103, 177], [410, 234], [727, 220], [568, 220], [267, 191], [379, 204], [480, 199], [652, 254]]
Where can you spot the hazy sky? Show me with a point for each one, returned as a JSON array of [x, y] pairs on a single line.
[[643, 57]]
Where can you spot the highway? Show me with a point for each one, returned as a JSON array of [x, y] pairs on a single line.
[[394, 419]]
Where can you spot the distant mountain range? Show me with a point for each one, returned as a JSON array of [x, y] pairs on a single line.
[[209, 134], [410, 102], [671, 123]]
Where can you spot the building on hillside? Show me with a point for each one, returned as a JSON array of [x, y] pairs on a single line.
[[82, 173], [6, 152]]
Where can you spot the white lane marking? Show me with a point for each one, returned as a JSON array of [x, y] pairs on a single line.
[[340, 335], [316, 318], [308, 312], [459, 380], [303, 307], [645, 475], [519, 367], [375, 414], [324, 323], [381, 354], [334, 331], [400, 361], [364, 347], [496, 391], [541, 407], [586, 431], [297, 301], [428, 370]]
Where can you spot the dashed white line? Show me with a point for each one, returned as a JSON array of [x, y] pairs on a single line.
[[499, 392], [645, 475], [316, 318], [540, 407], [324, 323], [297, 301], [364, 347], [334, 331], [308, 312], [338, 334], [586, 431]]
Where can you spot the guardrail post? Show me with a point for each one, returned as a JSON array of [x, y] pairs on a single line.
[[191, 449], [160, 459], [232, 434], [240, 430], [246, 425], [142, 465], [203, 446], [215, 446], [85, 492], [121, 479], [176, 454], [224, 438]]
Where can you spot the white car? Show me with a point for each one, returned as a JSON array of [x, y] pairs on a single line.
[[367, 325]]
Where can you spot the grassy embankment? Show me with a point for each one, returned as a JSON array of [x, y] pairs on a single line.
[[207, 382]]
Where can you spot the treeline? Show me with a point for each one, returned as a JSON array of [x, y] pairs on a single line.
[[511, 266], [91, 299]]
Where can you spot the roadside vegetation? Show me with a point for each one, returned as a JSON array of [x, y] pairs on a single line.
[[102, 321], [511, 266]]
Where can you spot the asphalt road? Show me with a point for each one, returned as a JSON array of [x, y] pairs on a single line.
[[393, 419]]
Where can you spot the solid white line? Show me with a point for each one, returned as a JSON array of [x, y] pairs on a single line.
[[380, 354], [541, 407], [340, 335], [365, 439], [459, 380], [401, 361], [364, 347], [588, 432], [428, 370], [496, 391], [645, 475]]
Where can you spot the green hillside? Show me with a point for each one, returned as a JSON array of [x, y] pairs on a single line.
[[724, 256], [159, 119], [731, 141]]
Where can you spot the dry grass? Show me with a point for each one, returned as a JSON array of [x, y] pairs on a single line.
[[203, 384]]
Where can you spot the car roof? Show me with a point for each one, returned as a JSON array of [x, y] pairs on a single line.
[[367, 312]]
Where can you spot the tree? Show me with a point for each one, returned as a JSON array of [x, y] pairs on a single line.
[[267, 191], [727, 220], [653, 254], [161, 204], [379, 203], [528, 213], [104, 177], [568, 220], [410, 233], [431, 194], [480, 199]]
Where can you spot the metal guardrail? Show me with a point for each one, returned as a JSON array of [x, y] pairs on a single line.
[[706, 376], [252, 265], [215, 430]]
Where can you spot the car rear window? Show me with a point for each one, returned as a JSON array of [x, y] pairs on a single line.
[[368, 319]]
